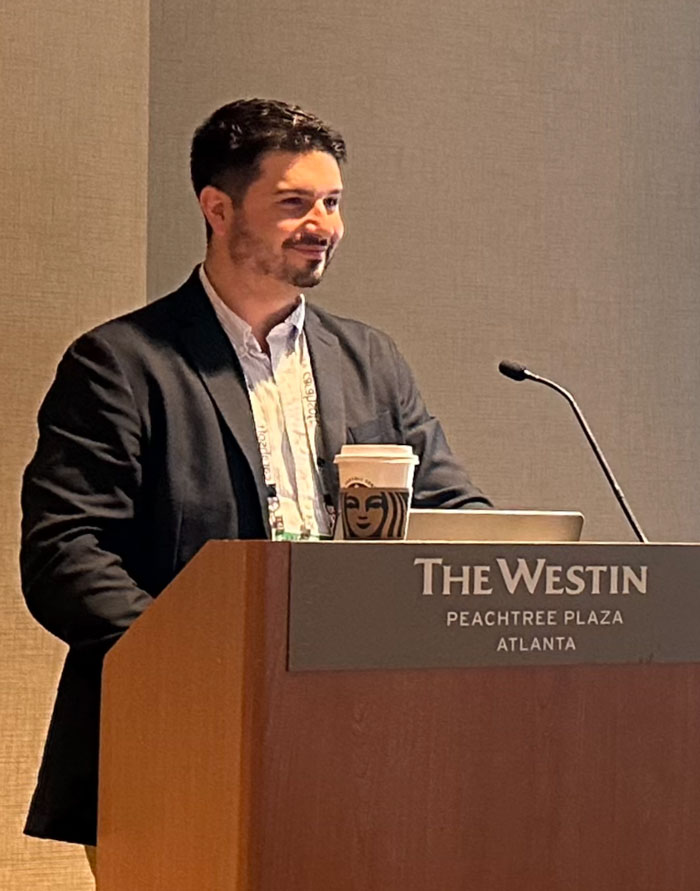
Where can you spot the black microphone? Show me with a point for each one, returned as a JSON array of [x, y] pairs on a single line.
[[517, 372], [514, 370]]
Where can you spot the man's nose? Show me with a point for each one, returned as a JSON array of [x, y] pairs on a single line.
[[324, 220]]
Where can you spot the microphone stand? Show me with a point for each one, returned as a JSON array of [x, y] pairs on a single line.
[[518, 372]]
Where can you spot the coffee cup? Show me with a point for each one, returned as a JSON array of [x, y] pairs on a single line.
[[376, 482]]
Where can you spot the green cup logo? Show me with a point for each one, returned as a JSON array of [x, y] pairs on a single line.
[[374, 513]]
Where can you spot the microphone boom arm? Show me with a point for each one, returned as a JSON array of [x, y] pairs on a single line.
[[519, 372]]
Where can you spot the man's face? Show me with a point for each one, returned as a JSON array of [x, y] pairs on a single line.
[[288, 224]]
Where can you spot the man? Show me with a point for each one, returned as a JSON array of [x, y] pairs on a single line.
[[214, 412]]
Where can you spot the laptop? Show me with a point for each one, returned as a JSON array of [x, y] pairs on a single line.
[[527, 526]]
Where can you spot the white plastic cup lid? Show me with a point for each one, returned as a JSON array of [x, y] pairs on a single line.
[[383, 452]]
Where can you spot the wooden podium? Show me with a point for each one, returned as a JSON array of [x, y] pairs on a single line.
[[221, 769]]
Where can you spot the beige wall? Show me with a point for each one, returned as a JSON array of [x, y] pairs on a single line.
[[73, 147], [523, 183]]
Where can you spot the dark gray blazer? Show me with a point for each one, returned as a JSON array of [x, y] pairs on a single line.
[[146, 450]]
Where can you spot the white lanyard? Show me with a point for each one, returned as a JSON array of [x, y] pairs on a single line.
[[300, 428]]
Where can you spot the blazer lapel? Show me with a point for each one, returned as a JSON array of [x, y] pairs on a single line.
[[324, 350], [210, 350]]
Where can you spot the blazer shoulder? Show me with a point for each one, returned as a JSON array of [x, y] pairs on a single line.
[[152, 326], [350, 332]]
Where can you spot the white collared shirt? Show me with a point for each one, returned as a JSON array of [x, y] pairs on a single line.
[[283, 399]]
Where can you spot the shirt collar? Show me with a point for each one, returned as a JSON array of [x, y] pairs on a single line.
[[240, 332]]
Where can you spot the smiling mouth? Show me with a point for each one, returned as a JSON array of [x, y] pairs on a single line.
[[315, 252]]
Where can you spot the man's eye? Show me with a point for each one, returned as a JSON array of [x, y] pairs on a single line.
[[292, 202], [332, 203]]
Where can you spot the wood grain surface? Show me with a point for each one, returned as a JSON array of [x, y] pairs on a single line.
[[255, 778]]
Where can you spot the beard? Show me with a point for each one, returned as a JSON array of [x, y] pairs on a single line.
[[246, 248], [312, 275]]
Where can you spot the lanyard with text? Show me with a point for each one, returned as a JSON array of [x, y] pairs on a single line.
[[297, 401]]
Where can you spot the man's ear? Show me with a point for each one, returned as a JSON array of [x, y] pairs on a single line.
[[217, 208]]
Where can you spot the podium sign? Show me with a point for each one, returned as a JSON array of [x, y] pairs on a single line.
[[406, 605]]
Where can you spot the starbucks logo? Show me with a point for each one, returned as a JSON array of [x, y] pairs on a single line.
[[374, 513]]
